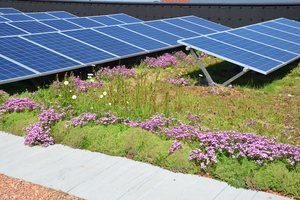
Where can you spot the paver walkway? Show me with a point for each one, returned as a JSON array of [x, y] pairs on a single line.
[[98, 176]]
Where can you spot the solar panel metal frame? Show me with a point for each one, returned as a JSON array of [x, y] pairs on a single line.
[[246, 68]]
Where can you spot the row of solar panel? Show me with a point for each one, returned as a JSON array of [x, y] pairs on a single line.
[[54, 51], [261, 47]]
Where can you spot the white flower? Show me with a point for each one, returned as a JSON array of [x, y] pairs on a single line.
[[92, 108], [127, 102], [70, 90], [66, 82], [101, 96], [109, 104], [74, 97], [104, 93], [92, 80]]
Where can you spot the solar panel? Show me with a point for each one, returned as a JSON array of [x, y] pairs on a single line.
[[85, 22], [33, 56], [8, 30], [254, 50], [201, 30], [44, 46], [267, 39], [205, 23], [12, 71], [253, 46], [2, 19], [41, 16], [70, 47], [285, 28], [124, 18], [61, 14], [104, 42], [171, 29], [106, 20], [33, 26], [276, 33], [288, 22], [153, 32], [9, 11], [17, 17], [61, 24], [132, 38]]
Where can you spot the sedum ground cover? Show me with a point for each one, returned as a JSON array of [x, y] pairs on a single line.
[[247, 134]]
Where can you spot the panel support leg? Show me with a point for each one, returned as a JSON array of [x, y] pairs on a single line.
[[245, 70], [208, 77]]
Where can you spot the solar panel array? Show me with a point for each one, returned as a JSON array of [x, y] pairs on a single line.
[[262, 47], [35, 44]]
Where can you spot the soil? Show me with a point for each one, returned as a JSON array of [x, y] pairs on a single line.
[[13, 188]]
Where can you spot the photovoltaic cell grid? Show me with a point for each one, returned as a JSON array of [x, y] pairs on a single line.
[[9, 11], [262, 47], [53, 51], [33, 27]]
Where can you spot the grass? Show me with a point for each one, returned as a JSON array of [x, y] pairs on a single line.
[[263, 105]]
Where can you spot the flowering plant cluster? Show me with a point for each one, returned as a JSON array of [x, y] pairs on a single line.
[[38, 133], [85, 118], [120, 71], [18, 104], [162, 61], [82, 85], [180, 81], [3, 95], [236, 144]]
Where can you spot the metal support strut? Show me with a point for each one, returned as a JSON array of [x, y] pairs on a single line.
[[203, 68], [207, 75]]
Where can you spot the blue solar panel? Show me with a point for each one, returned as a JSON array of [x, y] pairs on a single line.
[[172, 29], [289, 29], [190, 26], [252, 46], [237, 55], [41, 16], [276, 33], [153, 32], [33, 26], [85, 22], [61, 24], [104, 42], [132, 38], [8, 30], [70, 47], [266, 39], [33, 56], [205, 23], [18, 17], [9, 11], [288, 22], [255, 47], [124, 18], [10, 70], [2, 19], [106, 20], [61, 14]]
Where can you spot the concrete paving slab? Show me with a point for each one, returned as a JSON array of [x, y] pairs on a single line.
[[165, 190], [267, 196], [229, 193]]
